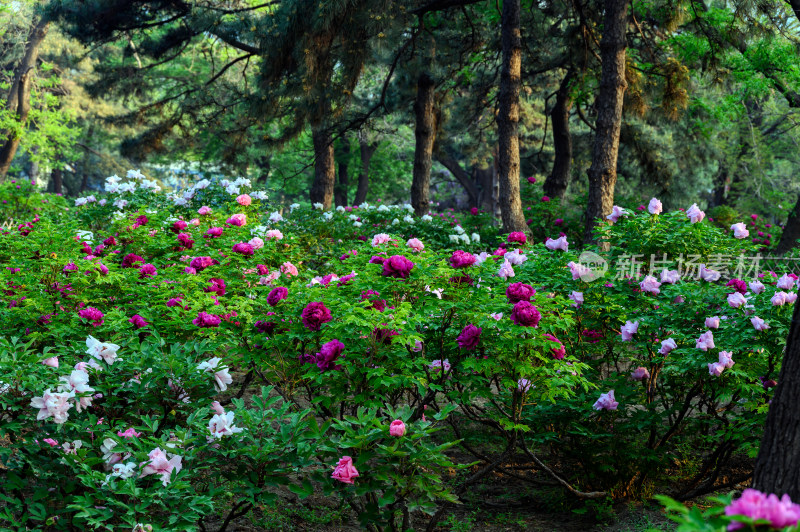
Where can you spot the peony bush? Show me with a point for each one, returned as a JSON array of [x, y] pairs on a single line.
[[177, 360]]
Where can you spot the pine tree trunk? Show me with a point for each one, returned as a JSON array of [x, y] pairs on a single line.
[[58, 181], [556, 183], [20, 94], [508, 119], [465, 179], [603, 171], [343, 182], [264, 164], [791, 231], [425, 135], [367, 151], [324, 168], [778, 464]]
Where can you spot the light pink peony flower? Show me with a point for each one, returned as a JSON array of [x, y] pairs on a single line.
[[756, 287], [616, 212], [606, 402], [713, 322], [579, 271], [397, 428], [221, 425], [785, 282], [650, 284], [221, 376], [55, 405], [415, 244], [779, 299], [560, 243], [51, 362], [740, 230], [670, 276], [695, 214], [506, 270], [726, 359], [640, 374], [736, 300], [705, 342], [289, 269], [715, 369], [204, 210], [709, 275], [577, 298], [256, 243], [759, 324], [345, 471], [654, 207], [380, 238], [628, 330], [102, 350], [667, 345], [274, 234]]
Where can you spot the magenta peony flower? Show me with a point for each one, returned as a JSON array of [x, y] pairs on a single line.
[[345, 471], [130, 433], [315, 314], [186, 240], [606, 402], [243, 248], [174, 302], [375, 303], [179, 226], [525, 314], [214, 232], [147, 270], [138, 322], [516, 292], [397, 266], [237, 220], [328, 354], [474, 211], [217, 286], [558, 352], [201, 263], [780, 513], [277, 295], [469, 338], [130, 260], [397, 428], [531, 180], [461, 259], [738, 285], [92, 314], [206, 320], [517, 236]]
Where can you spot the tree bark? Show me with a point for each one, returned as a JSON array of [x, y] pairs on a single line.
[[425, 135], [778, 464], [324, 168], [264, 164], [603, 171], [367, 151], [58, 181], [340, 192], [791, 231], [20, 94], [508, 119], [556, 183]]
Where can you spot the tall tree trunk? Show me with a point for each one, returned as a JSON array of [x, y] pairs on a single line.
[[58, 180], [324, 168], [340, 192], [791, 231], [425, 135], [462, 176], [721, 187], [778, 464], [20, 94], [556, 183], [603, 171], [264, 164], [508, 119], [367, 151]]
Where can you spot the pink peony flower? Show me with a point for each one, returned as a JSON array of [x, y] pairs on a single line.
[[726, 359], [558, 352], [654, 207], [785, 282], [628, 330], [244, 200], [469, 338], [640, 374], [380, 238], [606, 402], [577, 299], [756, 287], [616, 213], [759, 324], [397, 428], [345, 471], [274, 234], [670, 277], [439, 365], [237, 220], [525, 314], [129, 433], [705, 342], [204, 210], [715, 369], [709, 275], [415, 244], [740, 230], [289, 269], [160, 464], [780, 513], [314, 315], [779, 299], [243, 248], [51, 362], [147, 270], [713, 322], [560, 243], [506, 270], [650, 284], [523, 385], [256, 242]]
